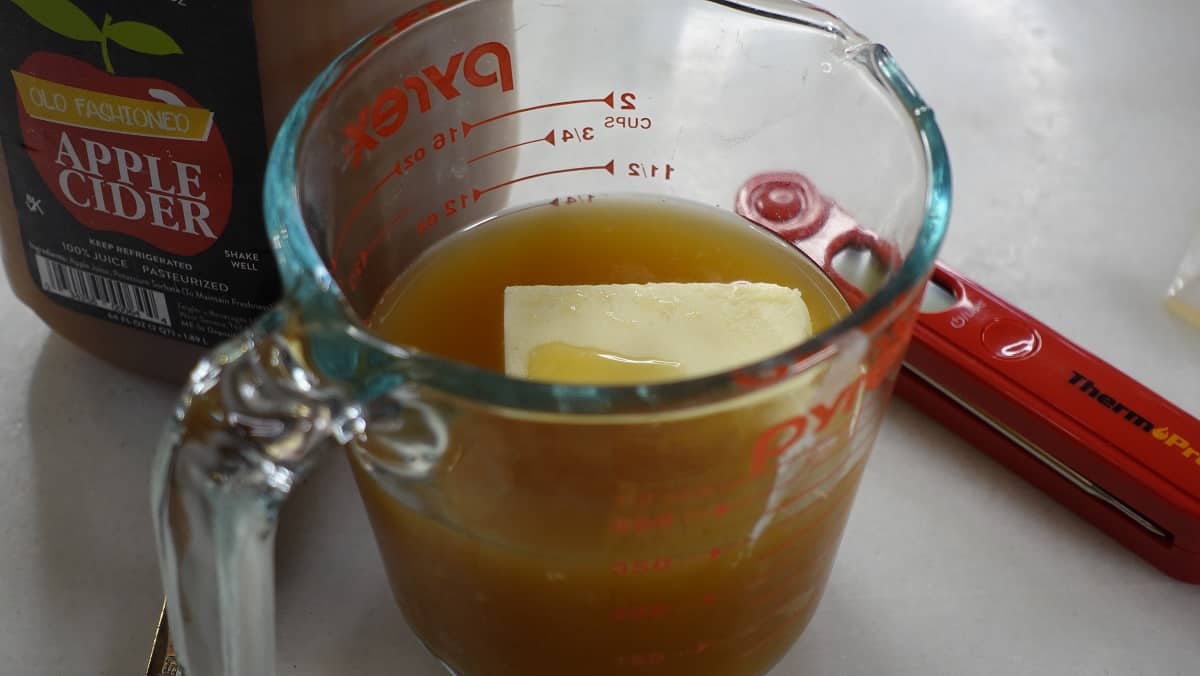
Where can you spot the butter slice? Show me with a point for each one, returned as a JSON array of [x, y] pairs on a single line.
[[643, 333]]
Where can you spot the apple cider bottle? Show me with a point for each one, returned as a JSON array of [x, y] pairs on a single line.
[[133, 139]]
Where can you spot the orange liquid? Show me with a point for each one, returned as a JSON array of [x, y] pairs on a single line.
[[588, 546]]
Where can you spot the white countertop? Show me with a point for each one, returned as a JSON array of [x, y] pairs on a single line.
[[1074, 126]]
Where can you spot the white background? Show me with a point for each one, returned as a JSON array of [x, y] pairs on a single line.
[[1075, 133]]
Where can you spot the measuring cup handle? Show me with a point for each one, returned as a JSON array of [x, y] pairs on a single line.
[[252, 422]]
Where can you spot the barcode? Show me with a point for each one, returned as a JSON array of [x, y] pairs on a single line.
[[102, 292]]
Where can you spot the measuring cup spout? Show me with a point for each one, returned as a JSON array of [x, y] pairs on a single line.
[[253, 421]]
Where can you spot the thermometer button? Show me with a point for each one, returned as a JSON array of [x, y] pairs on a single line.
[[1011, 340]]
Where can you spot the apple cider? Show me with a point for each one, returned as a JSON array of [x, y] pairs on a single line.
[[132, 148], [676, 544]]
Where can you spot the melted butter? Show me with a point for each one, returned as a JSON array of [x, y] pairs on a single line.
[[570, 364]]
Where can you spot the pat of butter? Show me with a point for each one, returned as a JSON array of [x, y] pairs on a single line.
[[643, 333]]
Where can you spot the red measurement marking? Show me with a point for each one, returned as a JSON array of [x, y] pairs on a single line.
[[358, 209], [383, 232], [660, 564], [701, 493], [548, 138], [679, 517], [363, 259], [637, 613], [606, 167], [468, 126], [388, 113], [711, 554], [643, 524], [427, 223], [573, 199], [642, 170]]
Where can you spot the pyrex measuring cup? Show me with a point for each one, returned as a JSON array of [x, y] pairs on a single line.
[[527, 528]]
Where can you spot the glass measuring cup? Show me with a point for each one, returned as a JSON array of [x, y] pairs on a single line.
[[529, 528]]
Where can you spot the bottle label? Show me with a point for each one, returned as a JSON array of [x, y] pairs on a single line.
[[135, 144]]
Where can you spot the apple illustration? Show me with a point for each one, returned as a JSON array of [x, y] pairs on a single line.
[[113, 164]]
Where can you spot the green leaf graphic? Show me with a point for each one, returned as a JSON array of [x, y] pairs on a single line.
[[62, 17], [141, 37]]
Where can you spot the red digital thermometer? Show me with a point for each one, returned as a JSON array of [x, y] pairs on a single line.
[[1090, 436]]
